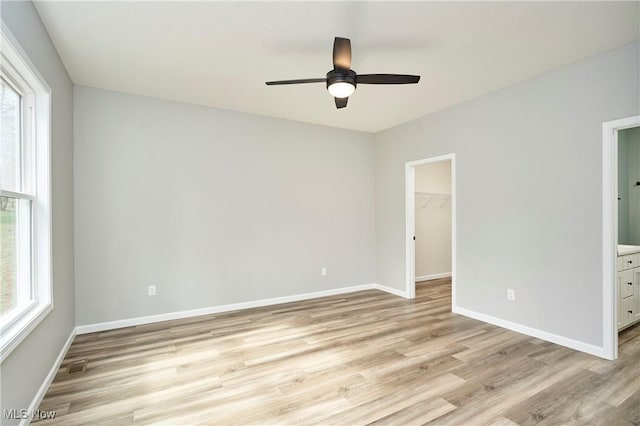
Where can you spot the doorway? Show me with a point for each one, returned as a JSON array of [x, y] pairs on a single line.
[[610, 201], [438, 197]]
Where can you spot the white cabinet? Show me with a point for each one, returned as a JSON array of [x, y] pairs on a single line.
[[628, 302]]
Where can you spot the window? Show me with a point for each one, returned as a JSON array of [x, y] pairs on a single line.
[[25, 196]]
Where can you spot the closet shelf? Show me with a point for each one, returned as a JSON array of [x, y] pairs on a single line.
[[434, 193], [443, 196]]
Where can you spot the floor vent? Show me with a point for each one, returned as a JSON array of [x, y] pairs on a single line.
[[77, 366]]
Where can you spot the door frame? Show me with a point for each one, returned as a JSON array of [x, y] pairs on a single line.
[[410, 223], [610, 230]]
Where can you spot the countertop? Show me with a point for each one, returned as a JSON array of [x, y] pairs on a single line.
[[626, 249]]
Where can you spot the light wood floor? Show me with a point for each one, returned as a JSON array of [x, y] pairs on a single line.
[[366, 357]]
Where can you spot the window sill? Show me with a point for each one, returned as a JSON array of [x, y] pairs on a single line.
[[20, 329]]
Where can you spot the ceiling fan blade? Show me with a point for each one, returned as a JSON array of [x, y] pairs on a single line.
[[341, 102], [387, 79], [341, 53], [301, 81]]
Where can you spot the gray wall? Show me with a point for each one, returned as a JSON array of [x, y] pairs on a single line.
[[213, 207], [27, 366], [628, 191], [529, 193]]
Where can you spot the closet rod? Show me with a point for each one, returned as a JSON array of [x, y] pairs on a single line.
[[433, 193]]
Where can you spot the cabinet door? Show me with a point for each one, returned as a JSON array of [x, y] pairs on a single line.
[[627, 311], [619, 301], [636, 294], [625, 280]]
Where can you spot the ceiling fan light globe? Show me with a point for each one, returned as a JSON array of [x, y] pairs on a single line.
[[341, 89]]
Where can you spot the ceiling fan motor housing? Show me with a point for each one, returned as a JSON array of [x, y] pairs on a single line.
[[341, 76]]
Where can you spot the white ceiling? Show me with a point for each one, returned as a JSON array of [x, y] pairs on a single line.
[[220, 53]]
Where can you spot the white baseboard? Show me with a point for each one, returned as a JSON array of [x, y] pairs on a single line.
[[432, 276], [110, 325], [534, 332], [37, 399], [390, 290]]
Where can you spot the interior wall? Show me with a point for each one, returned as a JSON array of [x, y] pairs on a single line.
[[213, 207], [433, 220], [628, 190], [528, 191], [25, 369]]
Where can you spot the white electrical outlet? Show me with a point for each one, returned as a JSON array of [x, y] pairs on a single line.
[[511, 294], [323, 271], [151, 290]]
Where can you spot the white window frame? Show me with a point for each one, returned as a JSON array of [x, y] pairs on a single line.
[[19, 71]]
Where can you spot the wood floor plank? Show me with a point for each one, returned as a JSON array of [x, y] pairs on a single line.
[[627, 414], [501, 421], [363, 358], [393, 401], [420, 413], [565, 401]]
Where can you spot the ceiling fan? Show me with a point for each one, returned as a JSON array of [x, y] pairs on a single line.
[[342, 80]]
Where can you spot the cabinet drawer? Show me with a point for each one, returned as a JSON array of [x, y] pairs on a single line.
[[627, 311], [629, 261], [625, 283]]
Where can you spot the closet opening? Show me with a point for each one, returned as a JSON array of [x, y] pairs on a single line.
[[431, 225]]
